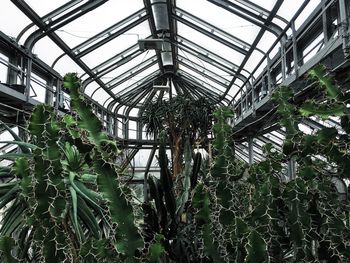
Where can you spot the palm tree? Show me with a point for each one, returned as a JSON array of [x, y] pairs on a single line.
[[181, 117]]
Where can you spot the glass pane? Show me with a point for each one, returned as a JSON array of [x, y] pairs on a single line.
[[205, 65], [234, 89], [47, 50], [117, 45], [8, 24], [91, 88], [266, 4], [87, 25], [253, 60], [135, 80], [210, 44], [66, 64], [43, 7], [141, 159], [100, 96], [203, 86], [127, 66], [266, 41], [290, 7], [231, 23], [203, 79]]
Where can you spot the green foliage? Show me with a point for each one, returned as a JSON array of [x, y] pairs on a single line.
[[156, 249], [6, 246], [127, 238], [181, 118], [256, 248], [324, 111], [53, 206], [214, 211], [182, 114], [203, 217], [253, 216], [333, 105], [168, 214], [187, 172], [320, 74], [63, 199]]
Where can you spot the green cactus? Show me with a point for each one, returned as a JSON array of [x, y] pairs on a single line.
[[54, 207], [6, 246]]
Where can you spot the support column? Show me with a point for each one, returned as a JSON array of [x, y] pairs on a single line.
[[291, 169], [125, 128], [145, 178], [251, 150], [253, 97], [28, 76], [295, 51], [12, 73], [269, 80], [241, 103], [49, 92], [58, 94], [326, 23], [116, 125], [283, 60], [139, 130], [344, 27]]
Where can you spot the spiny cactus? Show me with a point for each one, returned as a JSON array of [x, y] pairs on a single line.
[[262, 219], [56, 212]]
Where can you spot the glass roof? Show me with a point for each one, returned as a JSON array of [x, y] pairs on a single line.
[[211, 48]]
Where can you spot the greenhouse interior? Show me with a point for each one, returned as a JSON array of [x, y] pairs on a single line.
[[174, 131]]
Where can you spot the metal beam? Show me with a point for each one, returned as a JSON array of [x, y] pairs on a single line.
[[150, 160], [210, 57], [129, 158], [28, 11], [152, 25], [173, 32], [344, 22], [254, 18], [202, 68], [126, 75], [210, 34], [202, 73], [106, 35], [142, 83], [199, 83], [256, 41], [205, 89], [51, 26], [114, 62], [239, 44], [49, 16], [128, 98]]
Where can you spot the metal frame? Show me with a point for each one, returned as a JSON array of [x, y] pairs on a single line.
[[286, 67]]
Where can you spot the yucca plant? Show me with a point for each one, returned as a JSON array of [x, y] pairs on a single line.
[[168, 216]]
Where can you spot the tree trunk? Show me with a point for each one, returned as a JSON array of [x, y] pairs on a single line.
[[177, 157]]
